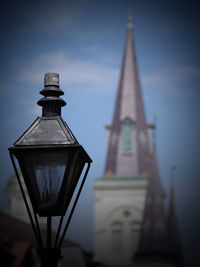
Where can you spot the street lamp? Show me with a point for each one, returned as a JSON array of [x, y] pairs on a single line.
[[51, 161]]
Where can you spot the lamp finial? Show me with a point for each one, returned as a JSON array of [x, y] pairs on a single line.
[[51, 102]]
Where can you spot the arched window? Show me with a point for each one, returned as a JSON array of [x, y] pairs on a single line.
[[127, 136]]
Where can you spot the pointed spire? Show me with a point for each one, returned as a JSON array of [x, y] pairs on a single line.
[[154, 235], [129, 110], [173, 223], [171, 210], [159, 239], [171, 202]]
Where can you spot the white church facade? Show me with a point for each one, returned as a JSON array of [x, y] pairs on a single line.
[[119, 207], [130, 224]]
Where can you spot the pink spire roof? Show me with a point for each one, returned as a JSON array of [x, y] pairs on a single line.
[[154, 233], [159, 239], [129, 105], [172, 224]]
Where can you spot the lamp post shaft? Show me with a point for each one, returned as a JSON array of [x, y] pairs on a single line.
[[49, 263], [48, 232], [49, 256]]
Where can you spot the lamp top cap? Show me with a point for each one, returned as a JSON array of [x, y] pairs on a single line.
[[51, 78]]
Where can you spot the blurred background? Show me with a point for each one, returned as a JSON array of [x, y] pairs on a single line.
[[83, 41]]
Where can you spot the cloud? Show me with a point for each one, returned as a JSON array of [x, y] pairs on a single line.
[[152, 79], [96, 75], [184, 71], [172, 73], [176, 80], [97, 52]]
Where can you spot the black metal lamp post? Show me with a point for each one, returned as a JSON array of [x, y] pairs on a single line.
[[51, 161]]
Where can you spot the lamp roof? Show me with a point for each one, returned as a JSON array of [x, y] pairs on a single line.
[[47, 131]]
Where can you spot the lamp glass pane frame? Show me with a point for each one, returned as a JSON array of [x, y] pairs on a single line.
[[73, 157]]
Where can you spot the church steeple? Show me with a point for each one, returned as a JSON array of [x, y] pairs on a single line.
[[159, 239], [128, 150], [129, 154], [129, 207]]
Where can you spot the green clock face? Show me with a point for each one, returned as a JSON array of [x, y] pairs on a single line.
[[142, 138]]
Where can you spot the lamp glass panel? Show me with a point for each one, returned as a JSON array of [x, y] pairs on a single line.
[[43, 174], [73, 184], [49, 180]]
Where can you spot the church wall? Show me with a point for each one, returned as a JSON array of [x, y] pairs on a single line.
[[118, 213]]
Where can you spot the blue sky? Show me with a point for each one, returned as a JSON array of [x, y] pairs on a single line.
[[84, 42]]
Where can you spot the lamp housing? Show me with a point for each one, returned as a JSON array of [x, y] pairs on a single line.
[[51, 162]]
